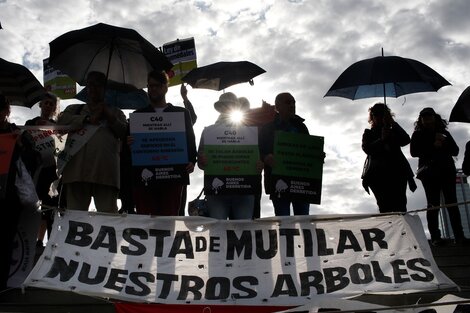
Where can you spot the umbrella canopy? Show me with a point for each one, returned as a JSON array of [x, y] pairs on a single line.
[[461, 110], [19, 85], [386, 76], [121, 53], [123, 96], [220, 75]]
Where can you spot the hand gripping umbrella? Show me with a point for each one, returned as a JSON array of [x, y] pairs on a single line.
[[121, 53], [386, 76], [19, 85], [220, 75]]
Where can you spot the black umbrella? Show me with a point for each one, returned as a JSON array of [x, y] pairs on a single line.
[[19, 85], [461, 110], [386, 76], [220, 75], [121, 53]]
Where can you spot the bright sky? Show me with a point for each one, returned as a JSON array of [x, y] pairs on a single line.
[[303, 46]]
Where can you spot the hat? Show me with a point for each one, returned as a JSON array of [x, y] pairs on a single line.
[[427, 111], [244, 103], [226, 101]]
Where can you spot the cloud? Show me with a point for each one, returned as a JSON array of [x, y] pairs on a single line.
[[303, 46]]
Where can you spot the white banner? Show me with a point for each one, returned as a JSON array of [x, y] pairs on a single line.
[[49, 139], [274, 261], [22, 260], [74, 142]]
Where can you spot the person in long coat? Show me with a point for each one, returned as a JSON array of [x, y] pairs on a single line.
[[387, 171]]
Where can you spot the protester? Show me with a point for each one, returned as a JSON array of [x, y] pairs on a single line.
[[285, 120], [189, 106], [93, 170], [223, 206], [257, 188], [466, 160], [47, 171], [10, 203], [164, 198], [386, 170], [435, 148]]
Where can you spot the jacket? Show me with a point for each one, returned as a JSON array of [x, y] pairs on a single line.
[[98, 160], [266, 140]]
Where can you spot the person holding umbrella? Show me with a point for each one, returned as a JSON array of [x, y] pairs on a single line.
[[91, 168], [386, 170], [435, 148]]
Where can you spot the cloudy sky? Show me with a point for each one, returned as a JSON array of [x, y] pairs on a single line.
[[303, 46]]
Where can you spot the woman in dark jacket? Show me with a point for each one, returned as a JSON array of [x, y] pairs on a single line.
[[387, 171], [435, 147]]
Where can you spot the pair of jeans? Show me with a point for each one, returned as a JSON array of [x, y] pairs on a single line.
[[433, 188], [282, 207], [235, 207]]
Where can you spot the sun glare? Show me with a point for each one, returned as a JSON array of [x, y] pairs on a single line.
[[236, 116]]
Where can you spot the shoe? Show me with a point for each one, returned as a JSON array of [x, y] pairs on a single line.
[[439, 242]]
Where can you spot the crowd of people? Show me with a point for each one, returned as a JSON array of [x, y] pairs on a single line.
[[98, 162]]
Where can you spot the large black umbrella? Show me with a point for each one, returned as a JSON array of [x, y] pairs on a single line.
[[461, 110], [220, 75], [19, 85], [386, 76], [121, 53]]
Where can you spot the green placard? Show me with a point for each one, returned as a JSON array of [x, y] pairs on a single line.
[[297, 173], [228, 160], [298, 155]]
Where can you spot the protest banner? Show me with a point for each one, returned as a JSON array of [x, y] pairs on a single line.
[[182, 53], [24, 247], [74, 141], [232, 153], [48, 140], [299, 166], [159, 151], [273, 261], [7, 144], [58, 83]]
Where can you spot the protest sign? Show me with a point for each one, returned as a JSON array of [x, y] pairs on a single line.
[[196, 260], [159, 149], [299, 166], [232, 153], [58, 83], [48, 140], [182, 53]]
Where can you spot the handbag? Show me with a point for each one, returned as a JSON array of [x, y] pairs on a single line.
[[422, 172], [198, 206], [425, 171]]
